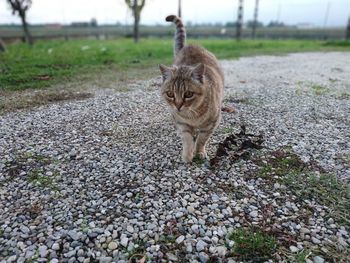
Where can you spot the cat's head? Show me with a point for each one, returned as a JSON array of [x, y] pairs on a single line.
[[183, 87]]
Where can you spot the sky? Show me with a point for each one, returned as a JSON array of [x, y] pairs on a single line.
[[196, 11]]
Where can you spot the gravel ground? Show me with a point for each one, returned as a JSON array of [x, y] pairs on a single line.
[[101, 180]]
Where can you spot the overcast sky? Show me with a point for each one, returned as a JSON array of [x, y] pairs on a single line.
[[196, 11]]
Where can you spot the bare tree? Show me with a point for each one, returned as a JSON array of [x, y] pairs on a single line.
[[136, 7], [179, 10], [255, 23], [347, 36], [21, 7], [239, 20]]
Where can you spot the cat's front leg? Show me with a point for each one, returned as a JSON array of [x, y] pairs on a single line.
[[201, 141], [187, 134]]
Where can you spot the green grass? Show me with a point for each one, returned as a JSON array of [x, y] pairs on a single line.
[[309, 184], [59, 61], [252, 244]]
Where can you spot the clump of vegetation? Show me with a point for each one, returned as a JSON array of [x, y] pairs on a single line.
[[325, 188], [36, 178], [253, 244], [308, 182], [319, 90], [281, 163]]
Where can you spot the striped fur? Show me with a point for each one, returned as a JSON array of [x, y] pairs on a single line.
[[180, 34], [193, 89]]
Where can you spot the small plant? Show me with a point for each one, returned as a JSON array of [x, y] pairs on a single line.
[[227, 130], [36, 178], [282, 163], [253, 244], [325, 189], [319, 90], [301, 256], [198, 160]]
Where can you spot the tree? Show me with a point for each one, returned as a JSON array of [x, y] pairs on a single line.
[[136, 7], [179, 10], [239, 20], [255, 22], [347, 37], [21, 7]]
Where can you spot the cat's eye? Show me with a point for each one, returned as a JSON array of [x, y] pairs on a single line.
[[188, 94], [170, 94]]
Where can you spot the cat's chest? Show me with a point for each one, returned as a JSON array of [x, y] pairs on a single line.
[[194, 121]]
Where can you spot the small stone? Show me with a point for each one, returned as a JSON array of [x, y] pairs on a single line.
[[172, 257], [112, 245], [43, 251], [330, 221], [130, 229], [304, 230], [221, 250], [315, 240], [200, 246], [74, 235], [24, 229], [203, 257], [124, 240], [190, 209], [293, 249], [195, 229], [55, 246], [318, 259], [12, 258], [180, 239], [106, 259], [253, 213]]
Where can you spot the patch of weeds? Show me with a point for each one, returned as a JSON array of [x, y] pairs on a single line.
[[308, 182], [198, 160], [253, 244], [298, 257], [167, 239], [228, 130], [138, 253], [84, 226], [324, 188], [137, 197], [36, 178], [319, 90], [281, 163], [343, 96]]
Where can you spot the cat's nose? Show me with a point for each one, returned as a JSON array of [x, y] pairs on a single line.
[[178, 106]]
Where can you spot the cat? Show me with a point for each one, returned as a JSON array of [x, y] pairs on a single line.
[[193, 88]]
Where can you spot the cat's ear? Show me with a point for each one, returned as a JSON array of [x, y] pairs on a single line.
[[198, 73], [166, 72]]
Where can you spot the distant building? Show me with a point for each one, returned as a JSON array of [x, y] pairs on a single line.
[[304, 26], [53, 26], [80, 24]]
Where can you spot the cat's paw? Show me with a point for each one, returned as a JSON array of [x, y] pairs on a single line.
[[187, 158], [202, 155]]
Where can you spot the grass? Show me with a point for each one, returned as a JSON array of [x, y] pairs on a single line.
[[319, 90], [307, 183], [36, 178], [252, 244], [50, 62]]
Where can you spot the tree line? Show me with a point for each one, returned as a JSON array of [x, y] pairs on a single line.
[[21, 7]]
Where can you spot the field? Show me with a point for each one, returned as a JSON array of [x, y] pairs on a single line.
[[63, 64]]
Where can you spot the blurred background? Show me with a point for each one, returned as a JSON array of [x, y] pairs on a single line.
[[67, 49], [103, 19]]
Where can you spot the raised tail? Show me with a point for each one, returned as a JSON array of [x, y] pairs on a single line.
[[180, 34]]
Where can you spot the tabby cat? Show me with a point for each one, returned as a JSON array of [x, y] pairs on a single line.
[[193, 88]]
